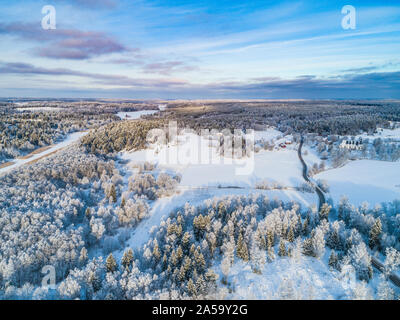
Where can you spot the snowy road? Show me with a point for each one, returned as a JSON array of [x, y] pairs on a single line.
[[16, 163]]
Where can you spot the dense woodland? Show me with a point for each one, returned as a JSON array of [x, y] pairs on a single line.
[[321, 117], [23, 132], [115, 137]]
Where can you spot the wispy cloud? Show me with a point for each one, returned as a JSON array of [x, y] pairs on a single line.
[[92, 3], [106, 79], [65, 43], [385, 84]]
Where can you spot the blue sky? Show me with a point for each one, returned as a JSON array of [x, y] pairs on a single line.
[[200, 49]]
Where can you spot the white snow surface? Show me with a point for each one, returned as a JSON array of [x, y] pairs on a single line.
[[281, 166], [383, 133], [204, 181], [268, 134], [372, 181], [306, 279]]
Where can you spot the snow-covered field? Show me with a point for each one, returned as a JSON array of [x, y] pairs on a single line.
[[383, 133], [66, 142], [310, 156], [204, 181], [281, 166], [268, 134], [135, 114], [364, 180]]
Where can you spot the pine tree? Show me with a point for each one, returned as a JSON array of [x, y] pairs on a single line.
[[291, 235], [186, 240], [334, 240], [262, 242], [282, 249], [308, 248], [83, 256], [156, 251], [270, 239], [113, 193], [191, 288], [123, 202], [241, 249], [127, 258], [305, 225], [333, 260], [374, 235], [111, 264], [324, 213], [200, 285], [179, 253], [271, 254]]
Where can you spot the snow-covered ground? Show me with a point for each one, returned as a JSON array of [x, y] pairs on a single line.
[[307, 279], [310, 156], [268, 134], [204, 181], [66, 142], [364, 180], [135, 114], [383, 133]]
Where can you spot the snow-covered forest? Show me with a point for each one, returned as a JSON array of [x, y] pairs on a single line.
[[116, 227]]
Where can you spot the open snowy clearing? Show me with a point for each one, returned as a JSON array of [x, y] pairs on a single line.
[[310, 156], [66, 142], [268, 134], [383, 133], [364, 180], [205, 181], [279, 166]]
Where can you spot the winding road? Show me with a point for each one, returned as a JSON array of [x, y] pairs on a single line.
[[375, 262], [317, 189]]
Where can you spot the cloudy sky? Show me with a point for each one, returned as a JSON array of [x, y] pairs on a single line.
[[200, 49]]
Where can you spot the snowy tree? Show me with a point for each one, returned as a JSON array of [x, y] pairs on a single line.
[[111, 264], [225, 268], [241, 249], [361, 261], [374, 235], [127, 259], [282, 249], [258, 258], [392, 261], [83, 257], [385, 291], [361, 291], [333, 260]]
